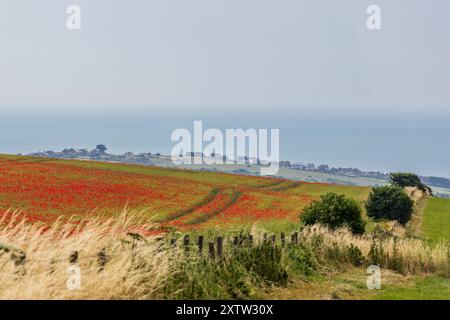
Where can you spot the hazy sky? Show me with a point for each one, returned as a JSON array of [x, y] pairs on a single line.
[[140, 68], [214, 54]]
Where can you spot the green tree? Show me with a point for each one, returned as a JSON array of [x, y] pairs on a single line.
[[389, 202], [405, 179], [334, 211], [101, 148]]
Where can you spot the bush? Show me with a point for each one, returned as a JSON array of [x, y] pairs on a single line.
[[355, 256], [300, 260], [265, 261], [236, 275], [334, 211], [376, 255], [389, 202], [201, 278]]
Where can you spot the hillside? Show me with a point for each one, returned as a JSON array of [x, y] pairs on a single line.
[[45, 189], [288, 170]]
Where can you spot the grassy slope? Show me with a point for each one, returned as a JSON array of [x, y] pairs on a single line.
[[427, 288], [274, 203], [436, 221]]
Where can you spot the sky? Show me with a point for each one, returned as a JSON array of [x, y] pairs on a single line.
[[308, 67]]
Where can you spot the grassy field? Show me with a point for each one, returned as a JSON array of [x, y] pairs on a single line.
[[427, 288], [352, 285], [436, 220]]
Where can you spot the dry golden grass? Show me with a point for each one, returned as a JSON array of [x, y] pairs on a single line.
[[127, 274], [140, 268], [415, 254]]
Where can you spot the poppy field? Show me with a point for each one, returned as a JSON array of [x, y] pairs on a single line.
[[44, 190]]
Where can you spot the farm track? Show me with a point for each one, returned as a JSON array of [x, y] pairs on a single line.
[[269, 185], [414, 226], [276, 186], [287, 186], [179, 214], [205, 217]]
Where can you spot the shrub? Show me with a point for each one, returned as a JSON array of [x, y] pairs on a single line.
[[334, 211], [355, 256], [389, 202], [199, 278], [376, 254], [265, 261], [300, 260], [395, 260]]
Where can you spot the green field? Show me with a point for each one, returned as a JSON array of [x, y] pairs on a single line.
[[429, 288], [436, 220]]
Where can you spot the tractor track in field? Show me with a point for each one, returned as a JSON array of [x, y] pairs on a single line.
[[181, 213], [233, 198], [205, 217], [287, 186], [269, 185]]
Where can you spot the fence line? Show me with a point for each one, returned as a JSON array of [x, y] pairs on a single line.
[[215, 248]]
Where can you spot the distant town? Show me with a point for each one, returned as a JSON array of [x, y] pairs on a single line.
[[100, 153]]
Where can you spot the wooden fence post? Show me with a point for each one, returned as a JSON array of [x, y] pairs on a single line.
[[283, 239], [265, 237], [250, 239], [292, 238], [235, 241], [73, 258], [274, 239], [186, 243], [200, 245], [211, 250], [296, 237], [101, 259], [241, 239], [19, 258], [219, 246]]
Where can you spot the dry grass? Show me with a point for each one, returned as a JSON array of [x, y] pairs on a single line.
[[415, 255], [142, 268], [129, 273]]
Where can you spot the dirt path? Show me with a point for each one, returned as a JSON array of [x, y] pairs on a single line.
[[414, 226]]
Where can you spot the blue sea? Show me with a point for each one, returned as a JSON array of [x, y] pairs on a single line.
[[418, 143]]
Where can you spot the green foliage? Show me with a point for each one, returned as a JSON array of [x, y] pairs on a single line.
[[389, 202], [300, 260], [334, 256], [334, 211], [396, 261], [408, 180], [376, 254], [265, 261], [202, 278], [235, 276], [355, 256]]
